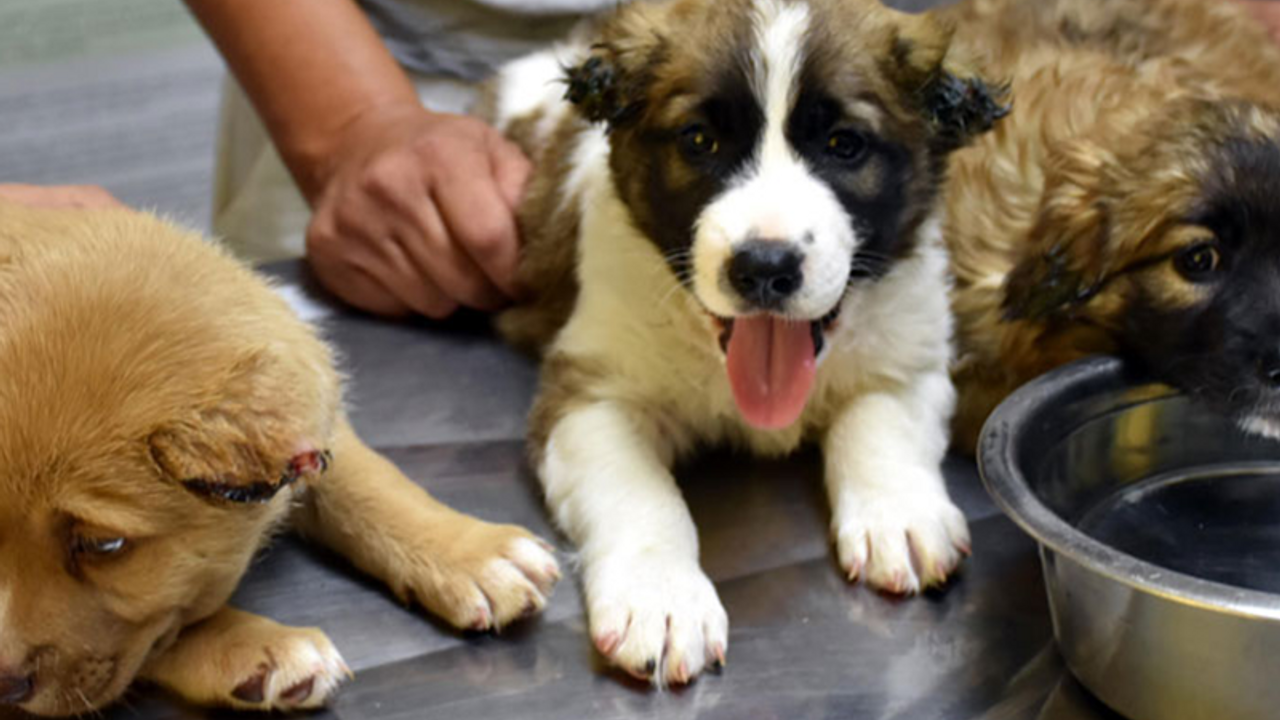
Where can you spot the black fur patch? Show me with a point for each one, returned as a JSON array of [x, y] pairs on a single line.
[[881, 209], [961, 108], [664, 187], [1224, 348]]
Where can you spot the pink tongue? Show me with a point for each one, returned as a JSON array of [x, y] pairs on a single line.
[[771, 368]]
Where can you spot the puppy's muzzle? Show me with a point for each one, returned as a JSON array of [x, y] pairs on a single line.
[[765, 273]]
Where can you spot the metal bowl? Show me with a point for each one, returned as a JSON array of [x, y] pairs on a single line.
[[1159, 530]]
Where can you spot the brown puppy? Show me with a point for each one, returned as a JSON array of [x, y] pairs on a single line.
[[1127, 205], [162, 412]]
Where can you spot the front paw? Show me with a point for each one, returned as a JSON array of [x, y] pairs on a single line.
[[481, 576], [298, 669], [901, 541], [657, 618], [248, 662]]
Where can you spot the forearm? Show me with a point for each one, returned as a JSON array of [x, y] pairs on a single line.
[[310, 67]]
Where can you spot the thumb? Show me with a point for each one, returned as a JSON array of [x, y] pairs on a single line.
[[511, 170]]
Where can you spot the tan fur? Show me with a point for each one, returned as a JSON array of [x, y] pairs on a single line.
[[135, 358], [1112, 99]]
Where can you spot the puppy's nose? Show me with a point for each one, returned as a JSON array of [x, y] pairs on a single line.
[[16, 689], [765, 272]]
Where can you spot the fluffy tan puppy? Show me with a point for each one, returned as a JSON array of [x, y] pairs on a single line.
[[1127, 205], [162, 413]]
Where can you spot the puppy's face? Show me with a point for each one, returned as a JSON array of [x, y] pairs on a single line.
[[780, 155], [1175, 247], [137, 475]]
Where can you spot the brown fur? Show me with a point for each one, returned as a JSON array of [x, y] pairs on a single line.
[[1112, 99], [135, 360]]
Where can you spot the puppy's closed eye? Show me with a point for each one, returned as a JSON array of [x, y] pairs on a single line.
[[98, 548]]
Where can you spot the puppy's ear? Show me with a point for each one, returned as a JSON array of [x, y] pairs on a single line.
[[1068, 259], [610, 85], [245, 440], [949, 89]]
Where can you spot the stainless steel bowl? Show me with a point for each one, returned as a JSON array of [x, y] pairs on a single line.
[[1159, 531]]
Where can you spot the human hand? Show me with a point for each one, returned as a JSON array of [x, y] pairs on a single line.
[[1267, 12], [415, 213], [85, 197]]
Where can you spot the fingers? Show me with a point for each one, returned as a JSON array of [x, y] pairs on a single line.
[[482, 222], [511, 169], [415, 222], [423, 216], [84, 197], [374, 275]]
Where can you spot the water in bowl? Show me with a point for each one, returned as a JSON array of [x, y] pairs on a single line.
[[1219, 523]]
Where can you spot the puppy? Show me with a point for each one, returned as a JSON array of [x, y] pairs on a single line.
[[1127, 206], [162, 413], [732, 237]]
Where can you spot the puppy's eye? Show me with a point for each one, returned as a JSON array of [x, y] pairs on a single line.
[[99, 548], [846, 145], [1198, 261], [697, 141]]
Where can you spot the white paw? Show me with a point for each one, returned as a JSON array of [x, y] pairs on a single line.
[[657, 618], [299, 670], [901, 541]]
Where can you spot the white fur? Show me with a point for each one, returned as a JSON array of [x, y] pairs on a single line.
[[1261, 425], [881, 401], [534, 82]]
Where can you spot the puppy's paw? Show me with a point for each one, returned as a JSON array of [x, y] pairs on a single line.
[[299, 669], [659, 619], [902, 541], [247, 662], [483, 576]]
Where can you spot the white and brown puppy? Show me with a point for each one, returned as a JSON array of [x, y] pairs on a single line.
[[733, 239], [162, 414]]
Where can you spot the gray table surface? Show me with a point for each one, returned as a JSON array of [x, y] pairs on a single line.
[[447, 404]]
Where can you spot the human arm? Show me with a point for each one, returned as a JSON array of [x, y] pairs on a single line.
[[413, 210]]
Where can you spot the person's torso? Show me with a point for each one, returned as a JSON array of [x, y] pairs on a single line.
[[468, 39]]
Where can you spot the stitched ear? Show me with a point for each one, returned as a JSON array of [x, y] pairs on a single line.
[[594, 87], [949, 90], [250, 438], [1066, 262], [610, 84]]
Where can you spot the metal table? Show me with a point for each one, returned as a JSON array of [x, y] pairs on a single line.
[[447, 404]]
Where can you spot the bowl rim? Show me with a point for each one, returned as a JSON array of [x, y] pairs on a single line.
[[1007, 485]]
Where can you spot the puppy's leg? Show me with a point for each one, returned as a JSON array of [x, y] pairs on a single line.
[[248, 662], [653, 612], [892, 519], [474, 574]]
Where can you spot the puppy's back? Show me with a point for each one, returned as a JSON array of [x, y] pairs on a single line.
[[112, 321]]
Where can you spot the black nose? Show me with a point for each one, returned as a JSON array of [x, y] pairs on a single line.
[[16, 689], [765, 272]]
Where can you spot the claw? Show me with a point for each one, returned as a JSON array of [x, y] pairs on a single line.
[[299, 693], [608, 643]]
